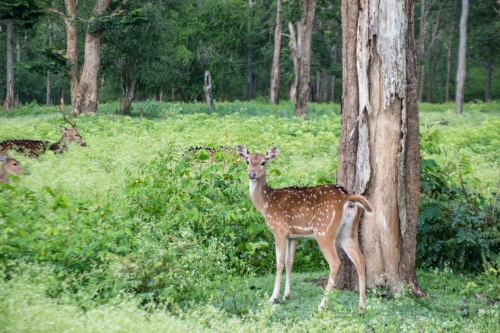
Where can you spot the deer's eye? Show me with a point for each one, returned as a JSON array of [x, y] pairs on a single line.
[[263, 163], [15, 164], [248, 162]]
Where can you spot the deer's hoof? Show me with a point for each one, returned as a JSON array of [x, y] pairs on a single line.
[[273, 300]]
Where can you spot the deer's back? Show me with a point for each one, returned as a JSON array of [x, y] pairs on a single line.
[[27, 147], [305, 207]]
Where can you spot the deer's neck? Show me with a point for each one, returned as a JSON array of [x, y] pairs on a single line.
[[259, 192], [59, 146], [3, 176]]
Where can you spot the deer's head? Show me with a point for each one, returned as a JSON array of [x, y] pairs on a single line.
[[70, 134], [256, 162], [9, 166]]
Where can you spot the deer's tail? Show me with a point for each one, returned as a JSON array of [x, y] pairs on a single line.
[[361, 201]]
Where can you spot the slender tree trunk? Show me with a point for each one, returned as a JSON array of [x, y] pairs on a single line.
[[421, 48], [489, 73], [48, 92], [9, 97], [295, 60], [429, 81], [128, 89], [448, 67], [304, 56], [250, 89], [462, 49], [207, 88], [275, 72], [379, 143], [334, 78]]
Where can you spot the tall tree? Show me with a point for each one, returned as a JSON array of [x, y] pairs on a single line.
[[83, 84], [304, 32], [462, 50], [275, 71], [25, 13], [379, 143]]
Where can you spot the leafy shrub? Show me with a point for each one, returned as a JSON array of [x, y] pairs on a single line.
[[456, 226]]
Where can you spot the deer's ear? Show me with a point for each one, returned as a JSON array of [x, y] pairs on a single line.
[[63, 129], [242, 151], [272, 153], [3, 158]]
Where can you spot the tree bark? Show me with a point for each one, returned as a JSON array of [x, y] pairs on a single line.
[[421, 48], [9, 97], [304, 30], [379, 143], [48, 91], [128, 90], [462, 50], [448, 66], [295, 60], [489, 73], [207, 88], [275, 72]]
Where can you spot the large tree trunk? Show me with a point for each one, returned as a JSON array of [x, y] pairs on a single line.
[[275, 72], [9, 97], [87, 92], [462, 49], [304, 29], [379, 143]]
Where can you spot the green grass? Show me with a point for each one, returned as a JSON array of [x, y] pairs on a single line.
[[131, 235], [239, 305]]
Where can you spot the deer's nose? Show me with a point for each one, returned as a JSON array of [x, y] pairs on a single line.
[[83, 144], [252, 175]]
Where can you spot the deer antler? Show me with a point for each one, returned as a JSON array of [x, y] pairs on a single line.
[[64, 116]]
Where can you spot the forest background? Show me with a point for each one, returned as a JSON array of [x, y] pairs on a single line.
[[159, 50]]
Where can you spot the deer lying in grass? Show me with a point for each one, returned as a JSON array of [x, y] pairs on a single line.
[[211, 151], [324, 213], [35, 148], [9, 166]]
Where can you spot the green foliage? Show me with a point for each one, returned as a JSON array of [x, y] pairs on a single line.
[[456, 226]]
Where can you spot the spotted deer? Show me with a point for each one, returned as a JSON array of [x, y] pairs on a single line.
[[9, 166], [35, 148], [326, 213]]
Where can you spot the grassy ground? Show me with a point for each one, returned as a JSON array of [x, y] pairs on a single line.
[[454, 304], [122, 149]]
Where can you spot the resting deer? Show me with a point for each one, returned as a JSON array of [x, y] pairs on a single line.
[[324, 213], [9, 166], [35, 148], [211, 151]]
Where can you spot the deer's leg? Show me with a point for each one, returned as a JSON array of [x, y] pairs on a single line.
[[280, 263], [350, 246], [327, 247], [291, 246]]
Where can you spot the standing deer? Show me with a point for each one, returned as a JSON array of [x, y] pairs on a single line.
[[9, 165], [324, 213], [35, 148]]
